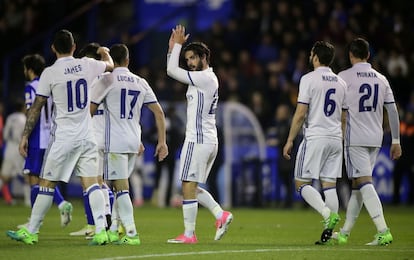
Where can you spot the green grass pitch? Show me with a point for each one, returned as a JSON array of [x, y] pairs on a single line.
[[254, 234]]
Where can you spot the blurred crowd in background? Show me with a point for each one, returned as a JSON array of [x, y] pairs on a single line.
[[259, 52]]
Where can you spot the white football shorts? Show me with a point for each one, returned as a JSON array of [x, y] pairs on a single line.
[[360, 161], [319, 158], [196, 161], [64, 158], [118, 166]]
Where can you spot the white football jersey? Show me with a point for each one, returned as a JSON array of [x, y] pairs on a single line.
[[68, 81], [39, 138], [98, 121], [202, 98], [13, 128], [367, 92], [122, 94], [324, 93]]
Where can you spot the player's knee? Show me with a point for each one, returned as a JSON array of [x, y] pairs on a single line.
[[300, 183]]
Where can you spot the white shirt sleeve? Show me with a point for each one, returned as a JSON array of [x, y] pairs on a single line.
[[101, 87], [304, 87], [173, 68]]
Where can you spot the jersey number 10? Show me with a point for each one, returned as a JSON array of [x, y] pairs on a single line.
[[80, 101]]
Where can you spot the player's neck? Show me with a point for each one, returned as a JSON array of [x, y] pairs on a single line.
[[63, 55]]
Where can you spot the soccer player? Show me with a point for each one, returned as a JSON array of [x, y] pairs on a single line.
[[72, 146], [368, 93], [123, 94], [33, 66], [13, 162], [98, 122], [200, 145], [321, 100]]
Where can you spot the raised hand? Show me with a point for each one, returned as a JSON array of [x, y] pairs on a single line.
[[179, 35]]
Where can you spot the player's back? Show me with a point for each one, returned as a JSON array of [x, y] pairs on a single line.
[[202, 99], [67, 81], [324, 92], [367, 92], [124, 100]]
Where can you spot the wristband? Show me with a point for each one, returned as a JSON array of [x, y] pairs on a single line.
[[395, 141]]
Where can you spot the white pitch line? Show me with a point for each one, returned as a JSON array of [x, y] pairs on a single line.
[[242, 251]]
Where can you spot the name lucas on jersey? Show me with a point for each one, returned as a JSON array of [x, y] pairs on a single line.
[[125, 78]]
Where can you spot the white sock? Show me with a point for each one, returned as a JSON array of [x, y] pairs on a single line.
[[190, 209], [373, 206], [352, 212], [314, 199], [115, 216], [331, 199], [126, 212], [26, 192], [41, 206], [96, 201], [136, 185], [105, 192], [206, 200]]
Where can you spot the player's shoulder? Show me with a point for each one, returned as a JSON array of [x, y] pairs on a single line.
[[341, 80], [346, 72], [308, 75], [380, 75], [140, 80]]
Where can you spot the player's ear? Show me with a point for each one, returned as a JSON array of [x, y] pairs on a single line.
[[53, 48], [316, 58]]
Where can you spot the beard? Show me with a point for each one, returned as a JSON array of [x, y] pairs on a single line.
[[197, 67]]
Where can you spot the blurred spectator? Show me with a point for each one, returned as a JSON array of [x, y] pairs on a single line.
[[267, 50], [397, 68], [175, 136], [213, 188], [405, 165], [12, 165], [1, 131], [259, 107], [276, 135], [136, 183]]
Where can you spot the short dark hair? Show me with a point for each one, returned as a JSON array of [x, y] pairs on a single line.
[[34, 62], [18, 104], [63, 41], [89, 50], [119, 53], [325, 52], [199, 49], [359, 48]]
